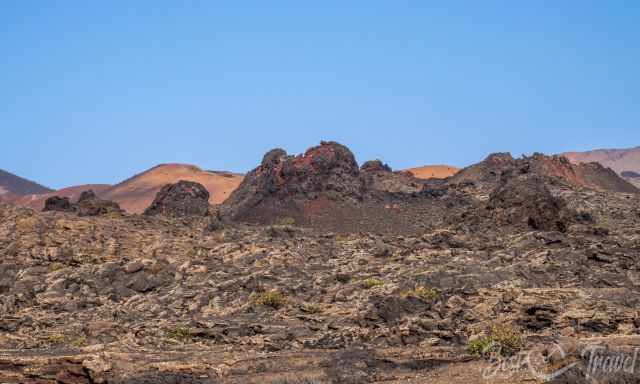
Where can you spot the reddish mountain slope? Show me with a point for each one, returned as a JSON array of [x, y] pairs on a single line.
[[136, 193], [626, 162], [619, 160], [433, 171]]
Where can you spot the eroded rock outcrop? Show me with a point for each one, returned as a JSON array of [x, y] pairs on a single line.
[[486, 175], [329, 169], [91, 205], [57, 203], [88, 204], [324, 187], [524, 200], [184, 198]]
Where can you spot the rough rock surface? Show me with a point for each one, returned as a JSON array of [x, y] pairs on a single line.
[[325, 188], [146, 299], [587, 175], [57, 203], [525, 200], [329, 169], [88, 204], [184, 198]]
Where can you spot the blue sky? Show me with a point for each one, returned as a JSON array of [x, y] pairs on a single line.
[[97, 91]]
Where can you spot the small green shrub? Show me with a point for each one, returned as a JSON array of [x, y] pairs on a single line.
[[501, 340], [287, 221], [371, 282], [179, 332], [79, 342], [423, 293], [271, 299], [55, 339]]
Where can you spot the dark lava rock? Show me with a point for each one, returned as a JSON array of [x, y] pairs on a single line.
[[87, 195], [329, 169], [57, 203], [184, 198], [525, 199], [487, 174], [324, 188], [88, 204], [375, 166], [538, 316], [215, 223]]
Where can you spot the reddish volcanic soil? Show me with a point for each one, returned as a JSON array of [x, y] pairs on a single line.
[[619, 160], [136, 194], [433, 171]]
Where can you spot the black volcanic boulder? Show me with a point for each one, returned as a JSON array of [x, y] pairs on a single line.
[[184, 198], [89, 204], [57, 203], [525, 201]]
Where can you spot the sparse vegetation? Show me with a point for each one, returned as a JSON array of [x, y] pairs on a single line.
[[273, 299], [340, 238], [179, 332], [79, 342], [371, 282], [55, 339], [287, 220], [501, 340], [423, 293]]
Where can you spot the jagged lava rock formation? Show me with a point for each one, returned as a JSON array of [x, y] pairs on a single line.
[[325, 188], [88, 204], [184, 198]]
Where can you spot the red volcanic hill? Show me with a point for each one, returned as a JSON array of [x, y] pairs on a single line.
[[433, 171], [137, 193], [626, 162]]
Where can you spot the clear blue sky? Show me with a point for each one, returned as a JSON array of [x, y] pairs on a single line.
[[95, 91]]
